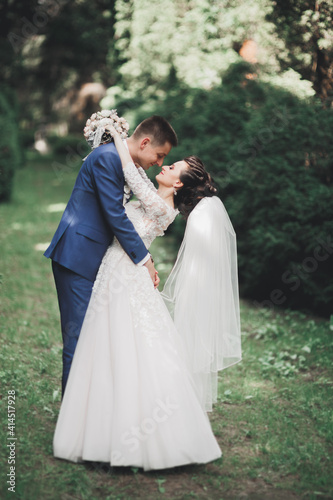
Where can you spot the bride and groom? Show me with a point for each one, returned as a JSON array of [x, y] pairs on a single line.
[[145, 366]]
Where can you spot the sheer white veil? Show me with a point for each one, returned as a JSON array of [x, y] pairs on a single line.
[[201, 294]]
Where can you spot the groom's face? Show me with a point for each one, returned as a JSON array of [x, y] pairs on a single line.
[[150, 154]]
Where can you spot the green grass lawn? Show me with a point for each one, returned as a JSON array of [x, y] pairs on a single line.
[[273, 419]]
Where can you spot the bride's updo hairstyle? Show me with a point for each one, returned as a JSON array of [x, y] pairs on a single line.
[[198, 184]]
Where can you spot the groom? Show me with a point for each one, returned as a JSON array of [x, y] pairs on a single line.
[[93, 216]]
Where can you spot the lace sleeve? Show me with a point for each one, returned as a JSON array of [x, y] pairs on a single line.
[[153, 203]]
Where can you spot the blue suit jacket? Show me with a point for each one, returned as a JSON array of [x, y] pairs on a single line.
[[94, 215]]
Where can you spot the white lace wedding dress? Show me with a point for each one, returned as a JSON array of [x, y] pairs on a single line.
[[130, 399]]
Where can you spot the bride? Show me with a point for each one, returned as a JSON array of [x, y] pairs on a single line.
[[145, 368]]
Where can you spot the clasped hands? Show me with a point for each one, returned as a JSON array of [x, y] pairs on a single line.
[[153, 273]]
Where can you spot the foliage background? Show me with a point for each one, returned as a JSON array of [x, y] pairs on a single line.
[[247, 86]]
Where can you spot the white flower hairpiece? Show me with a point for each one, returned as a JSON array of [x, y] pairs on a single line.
[[94, 131]]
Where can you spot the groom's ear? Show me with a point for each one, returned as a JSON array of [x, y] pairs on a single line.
[[145, 142]]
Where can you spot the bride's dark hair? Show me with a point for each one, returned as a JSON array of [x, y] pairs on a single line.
[[198, 184]]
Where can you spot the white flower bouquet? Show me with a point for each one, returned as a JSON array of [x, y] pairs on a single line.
[[95, 131]]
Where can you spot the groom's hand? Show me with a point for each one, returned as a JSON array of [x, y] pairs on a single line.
[[153, 273]]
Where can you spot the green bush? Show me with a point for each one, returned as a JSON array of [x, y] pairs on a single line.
[[11, 156], [272, 156], [68, 145], [27, 138]]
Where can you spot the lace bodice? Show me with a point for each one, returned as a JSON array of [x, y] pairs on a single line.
[[150, 215]]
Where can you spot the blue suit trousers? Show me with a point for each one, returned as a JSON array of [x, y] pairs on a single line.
[[74, 293]]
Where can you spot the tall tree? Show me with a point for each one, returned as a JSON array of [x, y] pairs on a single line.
[[15, 30], [306, 26], [52, 46]]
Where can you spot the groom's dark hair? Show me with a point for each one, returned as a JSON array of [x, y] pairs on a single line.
[[158, 129]]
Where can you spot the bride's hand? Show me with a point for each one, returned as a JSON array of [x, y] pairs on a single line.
[[123, 152], [157, 280], [113, 132]]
